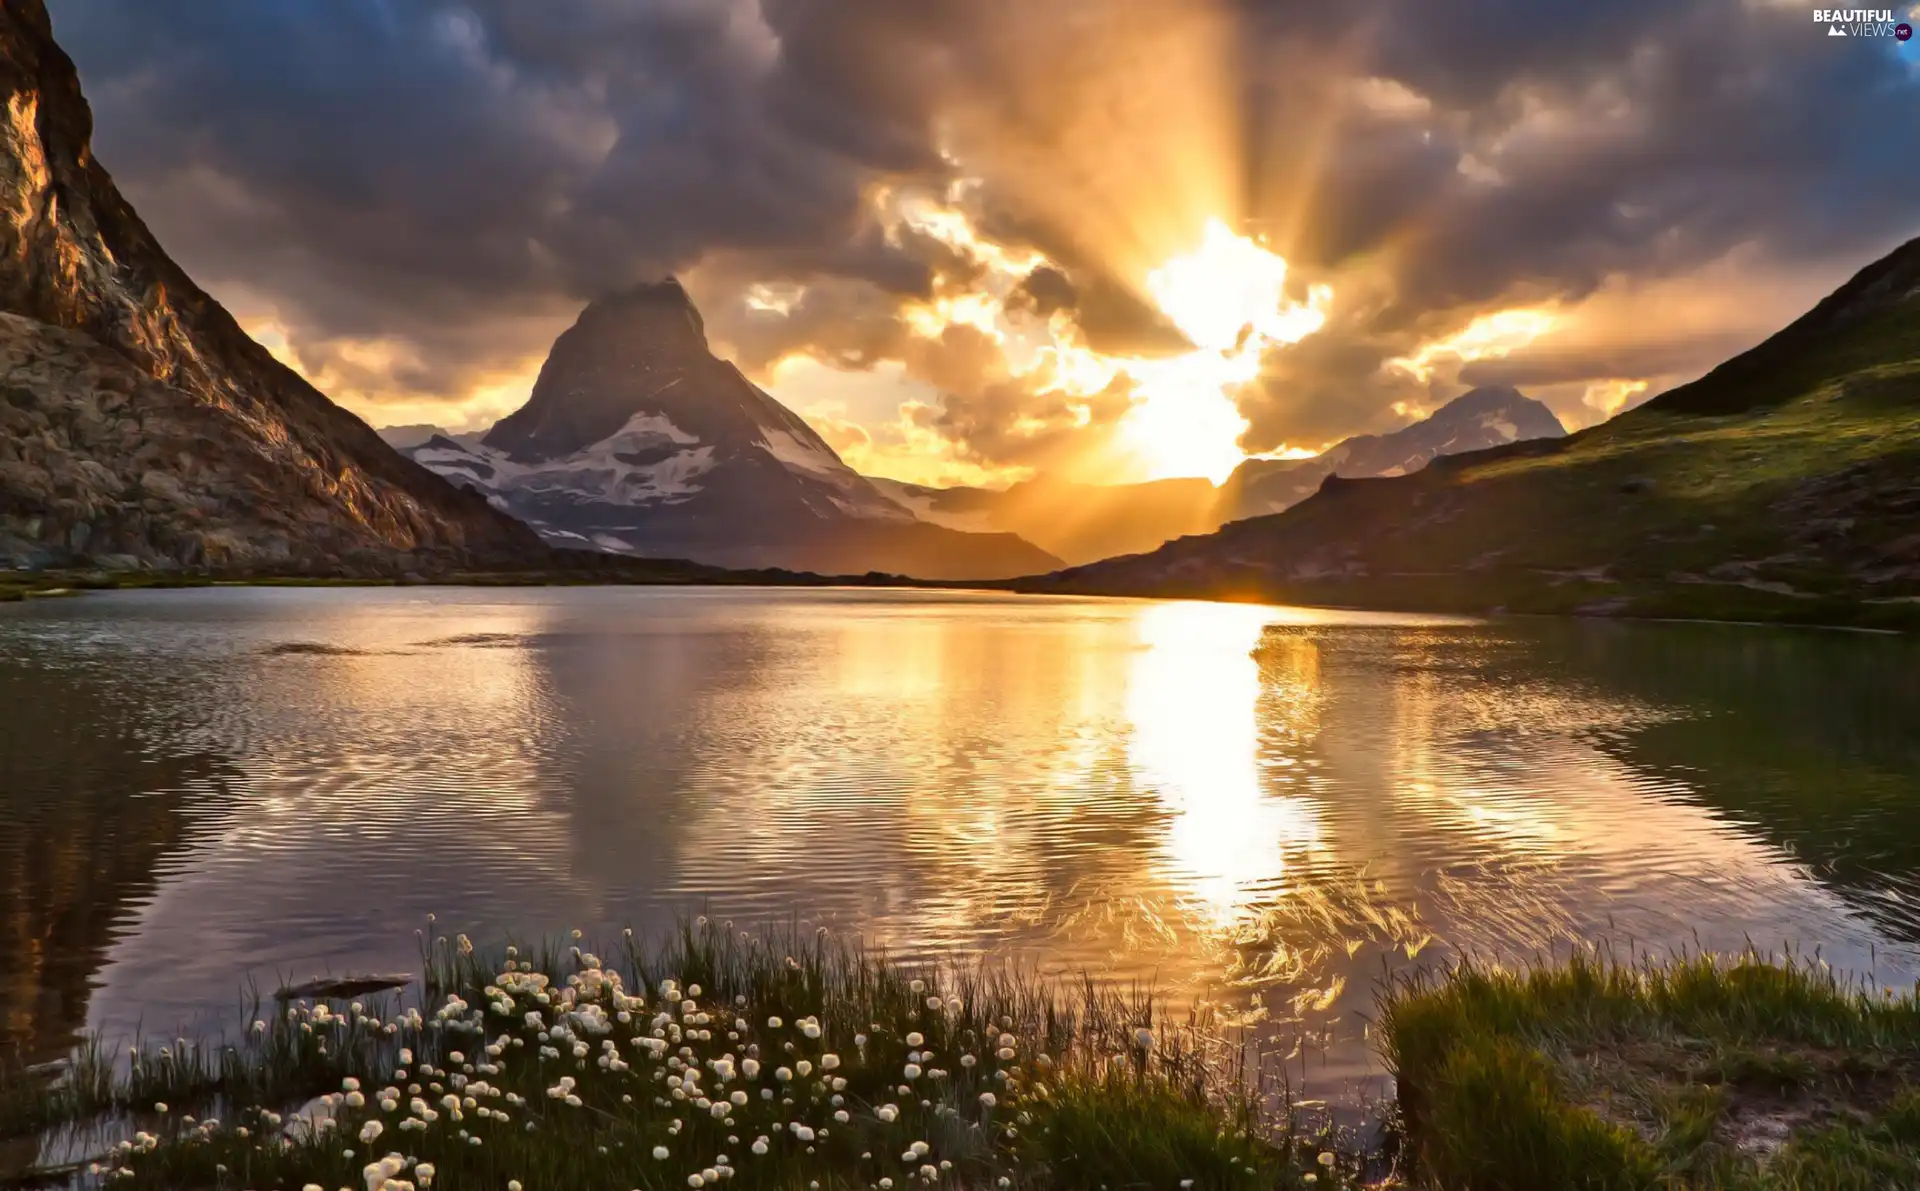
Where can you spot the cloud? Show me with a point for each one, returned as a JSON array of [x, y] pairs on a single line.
[[421, 195], [1114, 320]]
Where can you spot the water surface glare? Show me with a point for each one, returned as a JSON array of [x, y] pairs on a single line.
[[1271, 807]]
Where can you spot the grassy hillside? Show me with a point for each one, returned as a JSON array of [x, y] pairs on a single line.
[[1784, 485]]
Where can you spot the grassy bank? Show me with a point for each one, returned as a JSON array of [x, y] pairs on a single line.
[[1700, 1073], [715, 1058], [801, 1062]]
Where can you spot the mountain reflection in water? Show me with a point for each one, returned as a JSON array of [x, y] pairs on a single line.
[[1268, 807]]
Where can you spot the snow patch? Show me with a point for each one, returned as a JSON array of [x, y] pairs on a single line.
[[595, 472], [790, 450], [651, 426]]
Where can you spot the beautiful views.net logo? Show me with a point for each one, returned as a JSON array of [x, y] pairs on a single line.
[[1862, 22]]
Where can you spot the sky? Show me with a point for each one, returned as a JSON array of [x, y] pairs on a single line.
[[974, 241]]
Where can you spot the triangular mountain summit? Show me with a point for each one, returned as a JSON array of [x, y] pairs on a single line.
[[638, 439]]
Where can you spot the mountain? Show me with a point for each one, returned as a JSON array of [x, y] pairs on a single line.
[[1078, 522], [638, 440], [1086, 522], [139, 425], [1474, 421], [1783, 485]]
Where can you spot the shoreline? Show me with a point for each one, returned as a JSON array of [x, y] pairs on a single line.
[[1747, 1071], [17, 586]]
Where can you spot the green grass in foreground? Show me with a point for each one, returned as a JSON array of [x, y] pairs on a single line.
[[788, 1062], [1699, 1073]]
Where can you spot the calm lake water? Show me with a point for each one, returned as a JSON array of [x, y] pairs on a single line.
[[1269, 807]]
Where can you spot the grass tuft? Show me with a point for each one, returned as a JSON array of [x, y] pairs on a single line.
[[1699, 1072]]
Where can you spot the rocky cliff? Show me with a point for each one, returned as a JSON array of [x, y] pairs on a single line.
[[638, 440], [139, 425]]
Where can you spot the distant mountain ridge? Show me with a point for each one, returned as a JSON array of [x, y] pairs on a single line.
[[139, 425], [1783, 485], [1474, 421], [636, 439], [1083, 523]]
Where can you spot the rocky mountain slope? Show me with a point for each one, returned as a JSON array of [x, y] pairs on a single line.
[[638, 440], [139, 425], [1086, 522], [1783, 485]]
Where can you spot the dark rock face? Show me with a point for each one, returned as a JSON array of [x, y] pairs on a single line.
[[638, 440], [144, 427], [1483, 418]]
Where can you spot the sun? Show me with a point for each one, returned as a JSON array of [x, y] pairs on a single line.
[[1226, 293], [1228, 296]]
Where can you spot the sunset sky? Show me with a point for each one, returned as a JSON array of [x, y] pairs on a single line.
[[973, 240]]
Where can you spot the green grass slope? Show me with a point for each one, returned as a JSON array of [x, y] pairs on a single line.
[[1784, 485]]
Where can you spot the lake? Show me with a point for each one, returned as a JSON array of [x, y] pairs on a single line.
[[1269, 808]]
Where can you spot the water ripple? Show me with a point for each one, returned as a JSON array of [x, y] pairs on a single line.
[[1267, 806]]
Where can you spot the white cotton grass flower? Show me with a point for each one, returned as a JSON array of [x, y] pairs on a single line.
[[916, 1039], [370, 1131], [829, 1062], [378, 1173], [888, 1113], [987, 1100], [660, 1153]]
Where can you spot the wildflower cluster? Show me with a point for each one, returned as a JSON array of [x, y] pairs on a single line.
[[725, 1060]]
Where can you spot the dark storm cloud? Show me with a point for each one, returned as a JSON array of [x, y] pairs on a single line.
[[461, 175], [1566, 145], [1113, 319]]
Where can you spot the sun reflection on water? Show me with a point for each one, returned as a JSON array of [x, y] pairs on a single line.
[[1194, 701], [1271, 806]]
